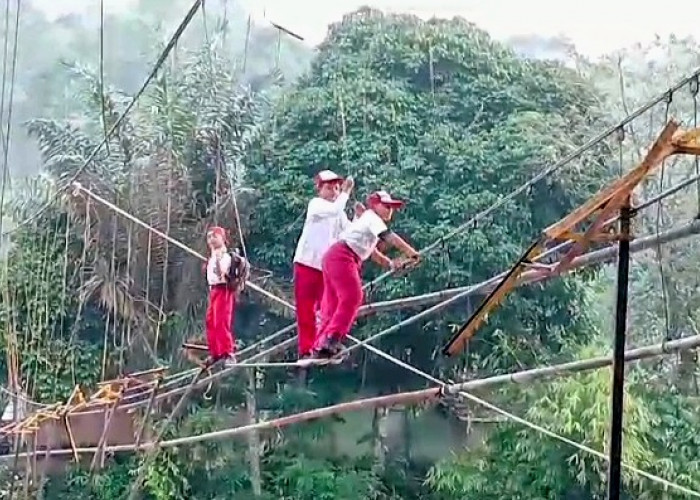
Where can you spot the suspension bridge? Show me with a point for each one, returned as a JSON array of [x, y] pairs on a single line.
[[563, 247]]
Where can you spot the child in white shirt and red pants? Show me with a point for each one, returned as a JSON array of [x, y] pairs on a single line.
[[325, 220], [342, 266], [222, 299]]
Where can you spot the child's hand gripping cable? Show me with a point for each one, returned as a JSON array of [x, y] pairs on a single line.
[[410, 261]]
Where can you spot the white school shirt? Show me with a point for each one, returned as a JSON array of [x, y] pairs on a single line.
[[325, 220], [212, 277], [362, 234]]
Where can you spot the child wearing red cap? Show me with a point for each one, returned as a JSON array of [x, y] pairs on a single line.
[[342, 264], [325, 220], [222, 297]]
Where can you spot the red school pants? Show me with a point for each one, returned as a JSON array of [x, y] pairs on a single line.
[[342, 293], [308, 292], [220, 315]]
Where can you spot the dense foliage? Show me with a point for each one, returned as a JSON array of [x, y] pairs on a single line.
[[434, 111]]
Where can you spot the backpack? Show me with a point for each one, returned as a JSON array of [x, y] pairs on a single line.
[[239, 272]]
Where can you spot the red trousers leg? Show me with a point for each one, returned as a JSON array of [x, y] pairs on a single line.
[[308, 292], [220, 315], [228, 316], [329, 304], [343, 294]]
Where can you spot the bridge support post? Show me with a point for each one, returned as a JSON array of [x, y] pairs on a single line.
[[618, 372]]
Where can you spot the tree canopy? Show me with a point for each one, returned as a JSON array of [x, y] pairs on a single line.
[[437, 113]]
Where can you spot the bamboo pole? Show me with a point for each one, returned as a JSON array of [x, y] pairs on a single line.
[[483, 287], [370, 309], [147, 413], [100, 455], [409, 301], [254, 449], [411, 398], [527, 376]]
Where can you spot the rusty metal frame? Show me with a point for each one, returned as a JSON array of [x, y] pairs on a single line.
[[599, 211], [108, 396], [110, 412], [147, 414]]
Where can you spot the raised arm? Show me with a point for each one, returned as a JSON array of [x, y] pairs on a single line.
[[359, 210], [320, 208]]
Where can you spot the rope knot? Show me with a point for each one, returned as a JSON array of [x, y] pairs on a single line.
[[694, 86], [621, 134]]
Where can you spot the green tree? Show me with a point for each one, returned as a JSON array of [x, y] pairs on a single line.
[[442, 115], [517, 462], [133, 40], [436, 112], [187, 138]]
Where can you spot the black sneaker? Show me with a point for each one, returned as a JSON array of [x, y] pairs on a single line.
[[325, 350], [336, 348]]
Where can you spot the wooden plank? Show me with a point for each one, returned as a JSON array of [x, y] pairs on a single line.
[[601, 206], [580, 247]]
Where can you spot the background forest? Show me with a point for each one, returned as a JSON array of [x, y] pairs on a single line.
[[238, 120]]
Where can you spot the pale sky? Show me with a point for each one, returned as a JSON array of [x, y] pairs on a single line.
[[595, 26]]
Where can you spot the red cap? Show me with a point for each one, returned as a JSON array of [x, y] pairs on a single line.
[[326, 176], [385, 199], [218, 230]]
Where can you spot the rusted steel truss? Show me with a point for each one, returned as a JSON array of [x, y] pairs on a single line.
[[592, 222], [107, 397]]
